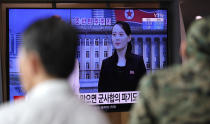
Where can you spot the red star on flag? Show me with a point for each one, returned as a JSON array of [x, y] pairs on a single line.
[[129, 13]]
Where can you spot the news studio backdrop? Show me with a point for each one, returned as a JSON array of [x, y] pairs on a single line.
[[149, 39]]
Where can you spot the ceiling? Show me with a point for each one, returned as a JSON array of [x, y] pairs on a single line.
[[192, 8]]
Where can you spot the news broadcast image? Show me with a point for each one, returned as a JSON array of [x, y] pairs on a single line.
[[148, 39]]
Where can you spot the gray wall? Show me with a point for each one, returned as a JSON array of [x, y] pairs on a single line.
[[1, 93], [1, 99]]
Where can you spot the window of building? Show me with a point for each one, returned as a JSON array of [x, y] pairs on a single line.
[[96, 54], [87, 54], [97, 65], [105, 53], [82, 42], [79, 42], [78, 54], [140, 44], [133, 44], [87, 65], [157, 39], [87, 76], [140, 39], [148, 42], [87, 41], [80, 75], [105, 42], [96, 41], [164, 39], [148, 39], [96, 76], [132, 39]]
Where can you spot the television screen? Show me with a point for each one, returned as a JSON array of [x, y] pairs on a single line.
[[105, 79]]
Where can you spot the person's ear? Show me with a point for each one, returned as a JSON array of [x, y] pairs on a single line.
[[27, 68], [35, 62], [183, 50]]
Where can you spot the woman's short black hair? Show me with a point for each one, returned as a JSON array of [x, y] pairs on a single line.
[[125, 26], [55, 41]]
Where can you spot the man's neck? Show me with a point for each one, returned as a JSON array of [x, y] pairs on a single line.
[[39, 79]]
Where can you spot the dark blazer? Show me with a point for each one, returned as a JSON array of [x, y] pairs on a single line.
[[113, 78]]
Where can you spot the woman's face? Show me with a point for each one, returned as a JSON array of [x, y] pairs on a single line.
[[119, 38]]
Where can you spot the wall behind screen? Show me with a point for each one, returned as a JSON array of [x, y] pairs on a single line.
[[0, 81], [1, 99]]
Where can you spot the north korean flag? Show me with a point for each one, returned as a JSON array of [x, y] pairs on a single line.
[[132, 15]]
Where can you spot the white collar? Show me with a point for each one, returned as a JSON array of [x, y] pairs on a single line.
[[49, 87]]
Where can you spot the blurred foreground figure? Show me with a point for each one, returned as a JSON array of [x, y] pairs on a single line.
[[73, 79], [46, 60], [181, 94]]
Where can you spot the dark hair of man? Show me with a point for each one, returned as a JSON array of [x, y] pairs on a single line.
[[55, 42], [125, 26]]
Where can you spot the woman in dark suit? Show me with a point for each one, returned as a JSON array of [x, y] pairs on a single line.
[[121, 71]]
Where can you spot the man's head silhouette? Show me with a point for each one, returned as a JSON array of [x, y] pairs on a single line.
[[48, 52]]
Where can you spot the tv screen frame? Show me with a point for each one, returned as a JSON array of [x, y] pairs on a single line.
[[84, 6]]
